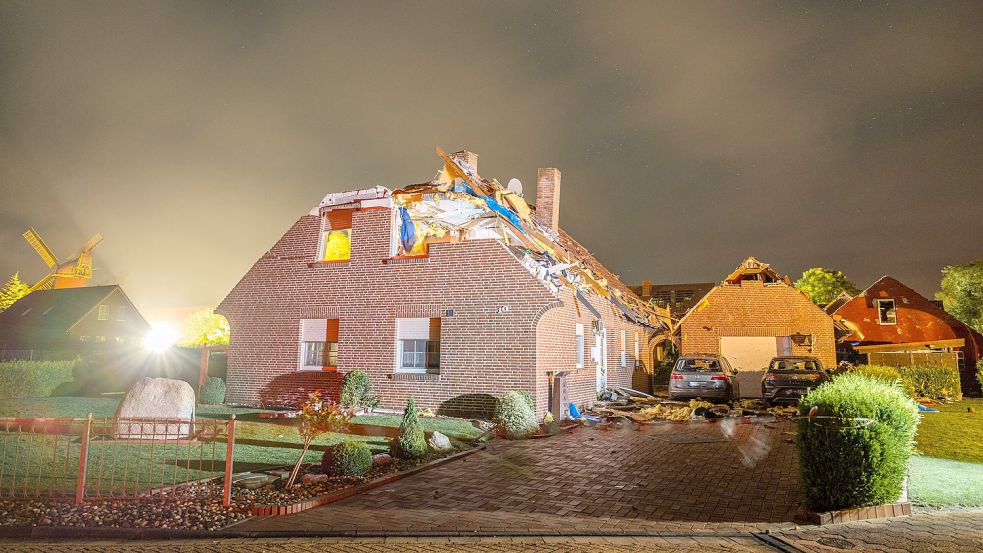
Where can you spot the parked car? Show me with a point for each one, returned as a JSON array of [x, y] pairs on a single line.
[[707, 376], [789, 378]]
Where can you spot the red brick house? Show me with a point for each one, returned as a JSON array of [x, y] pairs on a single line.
[[752, 316], [892, 324], [454, 292]]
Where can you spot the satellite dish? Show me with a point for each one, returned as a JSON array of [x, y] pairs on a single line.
[[515, 186]]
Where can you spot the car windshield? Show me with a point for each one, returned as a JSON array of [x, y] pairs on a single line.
[[697, 365], [794, 366]]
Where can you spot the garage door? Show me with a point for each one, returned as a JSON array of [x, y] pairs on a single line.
[[749, 355]]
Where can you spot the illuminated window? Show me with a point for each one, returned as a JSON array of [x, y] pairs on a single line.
[[886, 312], [103, 312], [418, 345], [319, 344], [337, 245]]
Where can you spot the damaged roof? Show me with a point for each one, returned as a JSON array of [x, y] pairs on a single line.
[[458, 205]]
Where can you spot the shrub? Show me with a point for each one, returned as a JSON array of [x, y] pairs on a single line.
[[318, 416], [411, 443], [356, 390], [514, 413], [887, 374], [29, 379], [527, 397], [846, 461], [212, 391], [349, 458], [933, 382]]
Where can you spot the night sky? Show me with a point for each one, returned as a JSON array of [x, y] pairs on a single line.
[[193, 134]]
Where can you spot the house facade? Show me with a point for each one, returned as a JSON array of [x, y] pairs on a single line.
[[451, 292], [752, 316], [67, 322], [892, 324]]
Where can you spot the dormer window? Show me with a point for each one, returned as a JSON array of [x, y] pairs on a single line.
[[886, 312]]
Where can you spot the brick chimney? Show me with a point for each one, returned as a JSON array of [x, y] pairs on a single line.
[[548, 197], [470, 158]]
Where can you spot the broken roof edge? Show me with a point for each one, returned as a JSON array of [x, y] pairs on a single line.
[[379, 194]]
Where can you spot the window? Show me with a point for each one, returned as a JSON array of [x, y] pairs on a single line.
[[319, 344], [121, 313], [580, 346], [886, 313], [336, 241], [103, 312], [418, 345], [624, 348]]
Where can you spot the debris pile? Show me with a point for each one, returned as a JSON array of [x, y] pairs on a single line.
[[458, 205], [644, 408]]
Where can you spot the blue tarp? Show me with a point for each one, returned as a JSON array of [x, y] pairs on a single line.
[[498, 208], [407, 231]]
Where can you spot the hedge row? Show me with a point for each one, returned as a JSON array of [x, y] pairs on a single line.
[[30, 379], [939, 383]]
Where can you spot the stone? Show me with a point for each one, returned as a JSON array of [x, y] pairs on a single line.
[[439, 442], [382, 459], [156, 398], [310, 478]]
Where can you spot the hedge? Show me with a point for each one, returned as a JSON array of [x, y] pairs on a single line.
[[887, 374], [30, 379], [933, 382], [855, 452]]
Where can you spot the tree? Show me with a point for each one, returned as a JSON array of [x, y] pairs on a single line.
[[318, 416], [962, 293], [205, 328], [14, 290], [823, 285]]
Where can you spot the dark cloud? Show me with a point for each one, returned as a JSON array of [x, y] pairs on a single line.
[[191, 134]]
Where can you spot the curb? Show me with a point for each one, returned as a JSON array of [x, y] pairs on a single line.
[[293, 508]]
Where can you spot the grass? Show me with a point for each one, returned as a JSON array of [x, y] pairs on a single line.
[[49, 462], [948, 471]]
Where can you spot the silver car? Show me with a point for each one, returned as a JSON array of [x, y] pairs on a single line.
[[703, 376]]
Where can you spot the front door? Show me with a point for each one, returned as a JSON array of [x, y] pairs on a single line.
[[601, 348]]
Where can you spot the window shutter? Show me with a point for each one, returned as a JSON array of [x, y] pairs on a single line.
[[331, 330], [340, 218], [435, 328], [413, 329], [314, 330]]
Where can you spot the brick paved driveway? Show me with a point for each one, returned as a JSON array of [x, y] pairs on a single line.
[[723, 476]]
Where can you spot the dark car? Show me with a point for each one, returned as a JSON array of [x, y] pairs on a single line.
[[789, 378], [702, 376]]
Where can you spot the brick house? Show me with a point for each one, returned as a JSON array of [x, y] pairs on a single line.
[[892, 324], [454, 292], [752, 316]]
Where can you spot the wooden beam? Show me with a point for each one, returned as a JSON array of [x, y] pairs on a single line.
[[953, 343]]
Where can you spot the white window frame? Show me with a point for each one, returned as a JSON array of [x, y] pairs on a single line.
[[579, 345], [429, 344], [636, 347], [624, 349], [103, 313], [314, 339], [877, 306]]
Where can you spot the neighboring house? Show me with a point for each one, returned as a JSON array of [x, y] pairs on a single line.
[[892, 324], [453, 292], [677, 298], [67, 322], [752, 316]]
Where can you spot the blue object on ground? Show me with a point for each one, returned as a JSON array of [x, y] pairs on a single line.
[[924, 409], [575, 414]]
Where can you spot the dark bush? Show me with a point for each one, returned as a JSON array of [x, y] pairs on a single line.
[[887, 374], [411, 443], [356, 390], [349, 458], [855, 452], [212, 391], [30, 379], [940, 383]]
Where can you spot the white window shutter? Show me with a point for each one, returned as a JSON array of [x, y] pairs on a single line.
[[413, 329], [313, 330]]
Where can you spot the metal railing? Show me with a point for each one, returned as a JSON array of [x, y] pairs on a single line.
[[116, 457]]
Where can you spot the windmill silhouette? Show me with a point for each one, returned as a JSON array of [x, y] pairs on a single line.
[[72, 273]]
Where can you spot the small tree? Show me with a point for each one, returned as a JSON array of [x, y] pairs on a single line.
[[356, 390], [318, 416], [962, 293], [14, 290], [823, 285], [205, 328], [412, 442]]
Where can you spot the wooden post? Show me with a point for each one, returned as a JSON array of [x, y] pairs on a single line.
[[229, 446], [202, 368], [83, 460]]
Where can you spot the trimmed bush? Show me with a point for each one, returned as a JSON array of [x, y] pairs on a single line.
[[30, 379], [349, 458], [846, 462], [356, 390], [516, 415], [940, 383], [212, 391], [887, 374], [527, 397], [411, 443]]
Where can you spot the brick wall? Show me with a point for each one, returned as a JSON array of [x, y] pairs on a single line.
[[485, 351], [753, 308]]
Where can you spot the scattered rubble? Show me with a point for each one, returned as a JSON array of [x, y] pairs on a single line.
[[641, 409]]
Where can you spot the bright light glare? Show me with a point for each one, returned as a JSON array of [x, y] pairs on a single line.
[[160, 338]]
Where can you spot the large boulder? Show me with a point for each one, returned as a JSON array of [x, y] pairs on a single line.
[[439, 442], [155, 408]]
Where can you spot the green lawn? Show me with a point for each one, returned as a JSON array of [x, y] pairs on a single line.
[[32, 461], [949, 469]]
